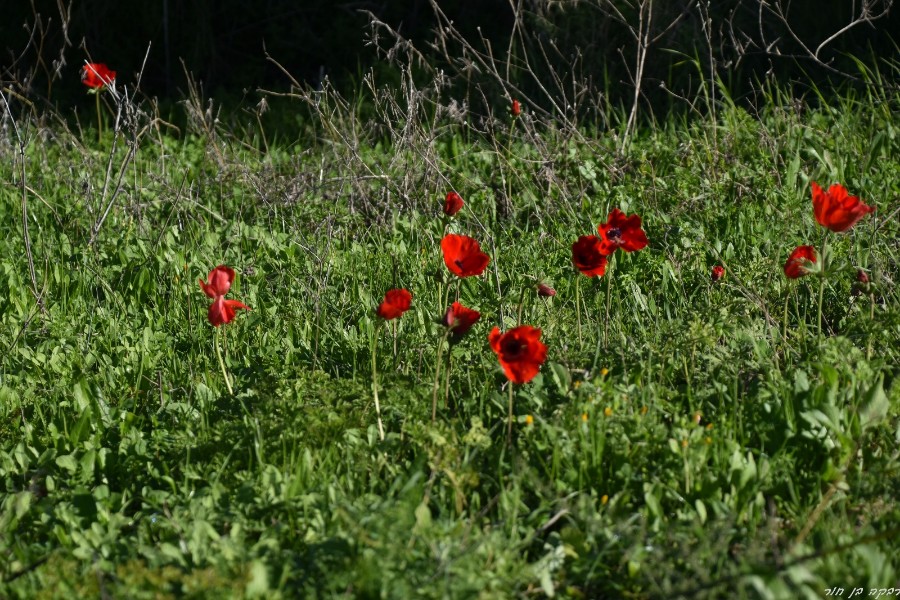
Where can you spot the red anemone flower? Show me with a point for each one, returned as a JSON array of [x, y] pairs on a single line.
[[515, 108], [588, 257], [97, 75], [622, 232], [463, 255], [545, 291], [459, 319], [218, 283], [520, 351], [718, 272], [799, 262], [836, 209], [453, 203], [396, 302]]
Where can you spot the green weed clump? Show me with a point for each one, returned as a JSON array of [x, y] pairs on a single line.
[[691, 433]]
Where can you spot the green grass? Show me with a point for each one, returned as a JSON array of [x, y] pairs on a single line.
[[718, 457]]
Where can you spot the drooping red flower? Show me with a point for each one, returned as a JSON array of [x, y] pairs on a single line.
[[463, 255], [218, 283], [862, 276], [97, 75], [545, 291], [800, 261], [453, 203], [396, 302], [515, 108], [836, 209], [718, 272], [520, 351], [622, 232], [459, 319], [588, 257]]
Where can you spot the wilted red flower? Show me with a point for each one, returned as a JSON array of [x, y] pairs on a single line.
[[520, 351], [459, 319], [97, 75], [515, 108], [836, 209], [396, 302], [453, 203], [218, 283], [718, 272], [588, 257], [799, 262], [545, 291], [862, 276], [463, 255], [622, 232]]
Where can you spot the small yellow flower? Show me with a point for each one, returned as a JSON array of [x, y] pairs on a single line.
[[643, 410], [584, 417], [604, 499], [708, 440], [529, 420], [684, 443], [604, 372], [697, 417], [607, 411], [576, 384], [709, 426]]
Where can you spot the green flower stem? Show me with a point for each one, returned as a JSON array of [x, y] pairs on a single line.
[[784, 322], [375, 380], [437, 376], [100, 125], [822, 281], [578, 306], [608, 301], [222, 362], [510, 423], [521, 305]]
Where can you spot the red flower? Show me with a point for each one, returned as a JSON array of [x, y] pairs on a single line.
[[515, 108], [97, 75], [800, 261], [463, 255], [218, 283], [862, 276], [545, 291], [718, 272], [588, 257], [396, 302], [836, 209], [460, 319], [622, 232], [520, 351], [453, 204]]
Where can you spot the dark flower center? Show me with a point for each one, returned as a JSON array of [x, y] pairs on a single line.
[[513, 348], [614, 234]]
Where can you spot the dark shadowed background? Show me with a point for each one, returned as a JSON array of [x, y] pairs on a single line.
[[223, 42]]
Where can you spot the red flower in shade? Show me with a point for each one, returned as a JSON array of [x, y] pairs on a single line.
[[588, 257], [718, 272], [515, 108], [545, 291], [800, 261], [453, 203], [622, 232], [460, 319], [218, 283], [463, 255], [97, 75], [836, 209], [520, 351], [396, 302]]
